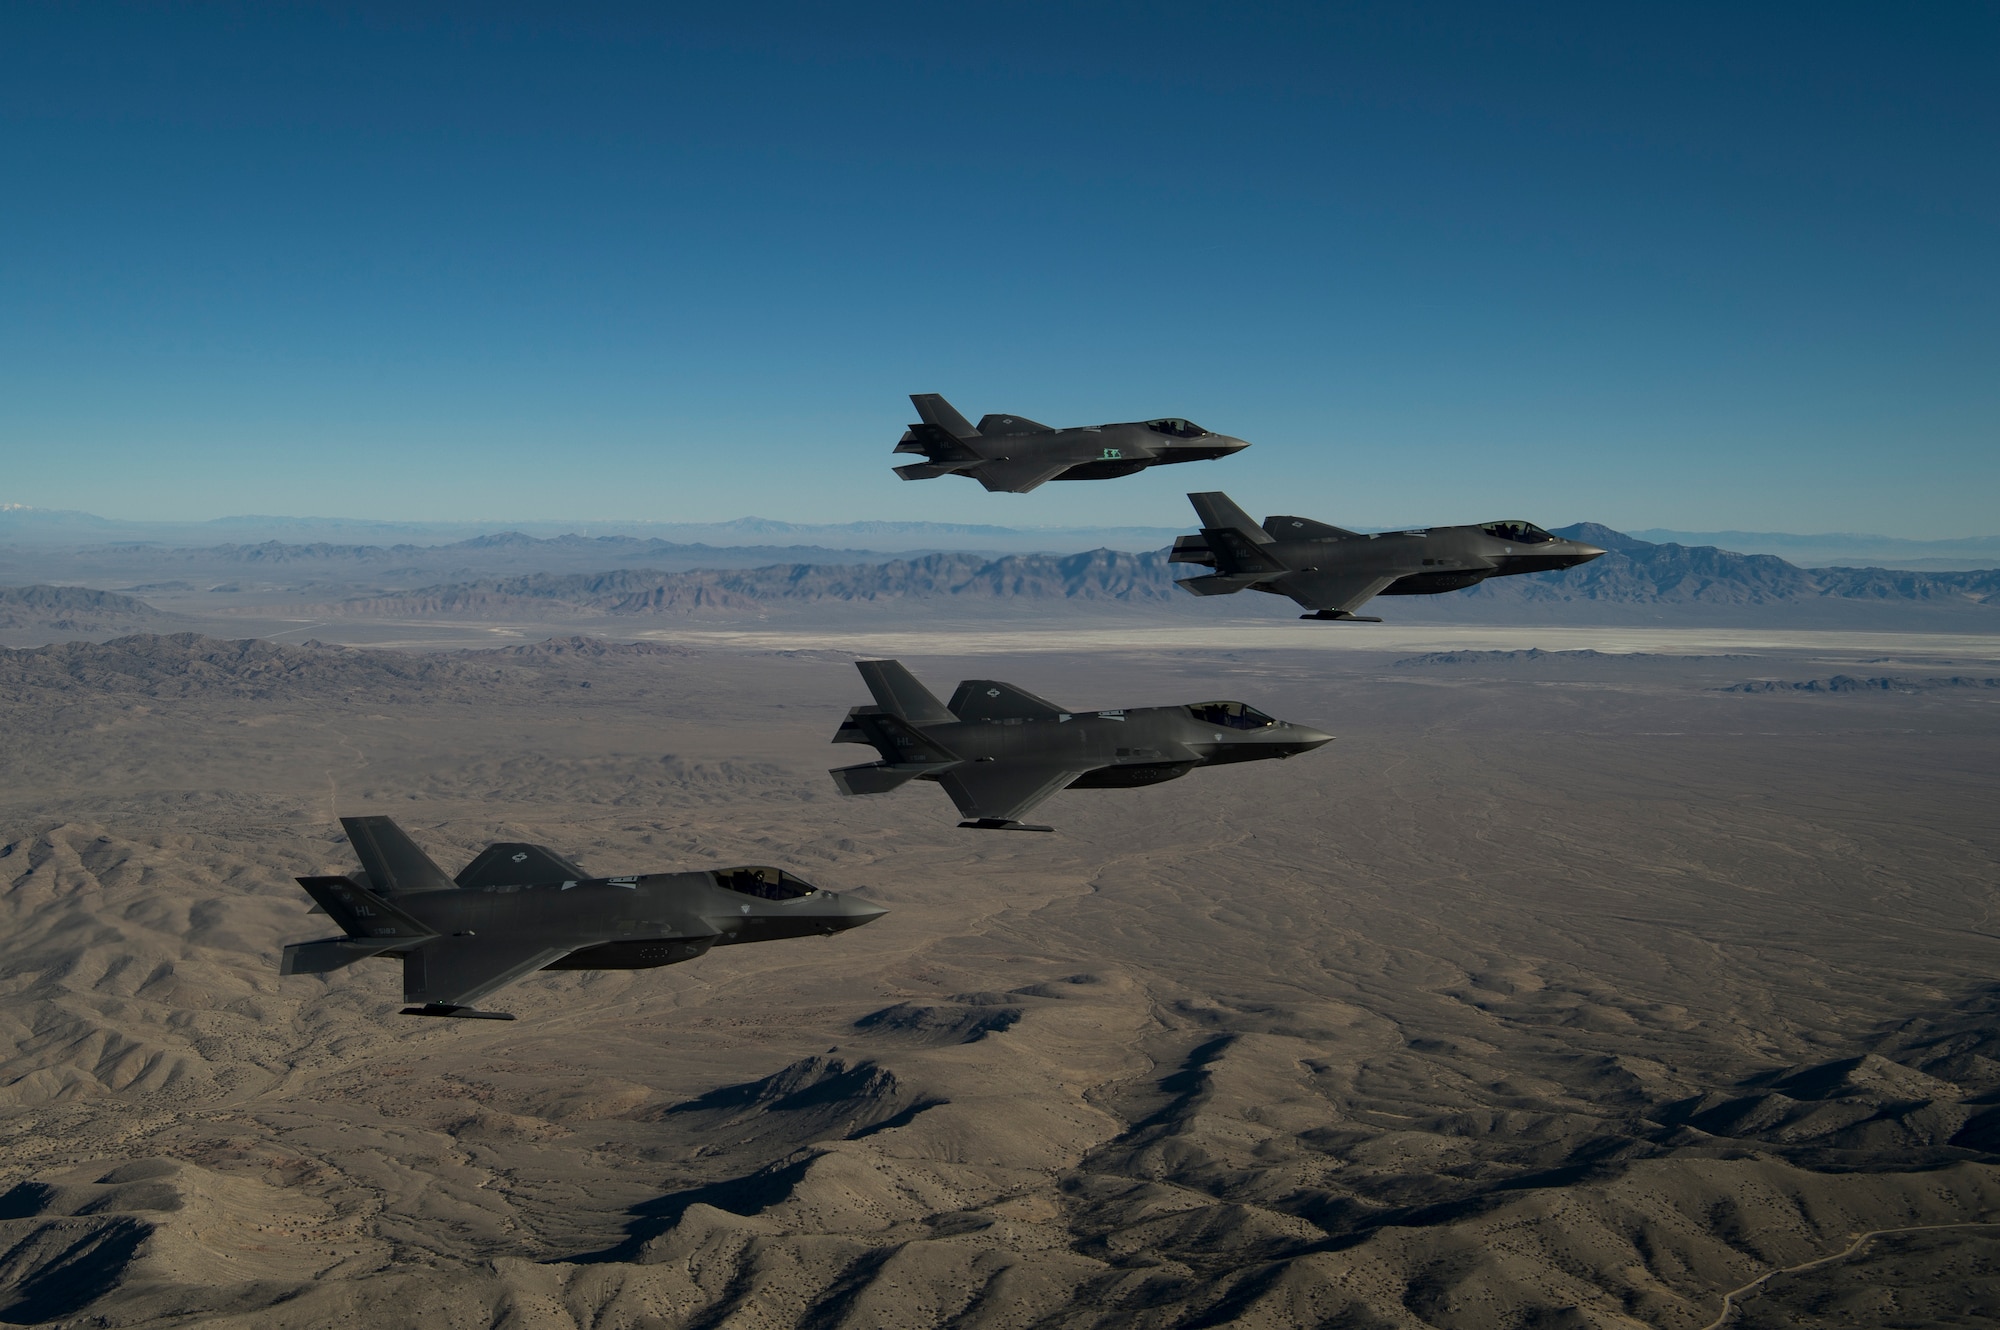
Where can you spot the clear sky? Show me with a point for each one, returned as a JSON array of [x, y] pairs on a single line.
[[1728, 266]]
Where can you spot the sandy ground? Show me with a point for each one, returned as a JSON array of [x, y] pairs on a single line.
[[1560, 990]]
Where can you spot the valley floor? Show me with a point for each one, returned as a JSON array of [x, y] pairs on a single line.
[[1562, 989]]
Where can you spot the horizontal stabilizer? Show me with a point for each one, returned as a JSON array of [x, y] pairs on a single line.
[[882, 777], [331, 953], [513, 864], [1221, 584], [989, 699], [1192, 549], [992, 425], [1235, 552], [899, 743], [364, 914], [897, 692], [937, 445], [1002, 824], [859, 726], [1304, 528], [930, 470], [459, 1013], [394, 862]]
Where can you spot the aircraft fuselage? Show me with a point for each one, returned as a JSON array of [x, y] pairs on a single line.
[[636, 922], [1105, 452], [1426, 562], [1136, 746]]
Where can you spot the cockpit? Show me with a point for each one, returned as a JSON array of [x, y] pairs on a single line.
[[1179, 429], [1520, 533], [771, 884], [1235, 715]]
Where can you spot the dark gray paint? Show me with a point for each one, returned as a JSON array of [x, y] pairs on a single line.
[[1014, 455], [1333, 571], [999, 750], [521, 908]]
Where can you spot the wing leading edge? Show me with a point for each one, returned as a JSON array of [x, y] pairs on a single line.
[[458, 971], [1006, 476], [998, 793], [1343, 592]]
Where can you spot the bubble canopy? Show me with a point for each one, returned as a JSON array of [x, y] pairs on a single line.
[[1235, 715], [1521, 533], [771, 884]]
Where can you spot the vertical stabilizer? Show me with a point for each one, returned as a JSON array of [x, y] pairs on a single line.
[[932, 409], [1218, 511], [897, 692], [395, 865]]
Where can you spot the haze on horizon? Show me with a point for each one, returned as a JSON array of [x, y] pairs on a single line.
[[1705, 269]]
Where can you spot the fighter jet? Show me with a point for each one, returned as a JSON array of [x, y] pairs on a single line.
[[1333, 572], [521, 908], [999, 750], [1012, 454]]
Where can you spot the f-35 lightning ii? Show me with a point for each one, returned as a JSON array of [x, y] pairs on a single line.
[[521, 908], [999, 750], [1333, 572], [1012, 454]]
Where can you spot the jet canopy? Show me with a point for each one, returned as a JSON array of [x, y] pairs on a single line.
[[771, 884], [1520, 533], [1235, 715], [1179, 429]]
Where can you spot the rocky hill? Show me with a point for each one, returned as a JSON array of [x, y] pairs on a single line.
[[72, 609]]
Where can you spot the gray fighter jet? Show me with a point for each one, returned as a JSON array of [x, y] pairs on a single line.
[[520, 908], [999, 750], [1011, 454], [1333, 572]]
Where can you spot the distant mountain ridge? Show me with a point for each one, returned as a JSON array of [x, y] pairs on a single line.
[[1637, 571], [1094, 575], [1842, 548], [275, 552], [1631, 572], [30, 526]]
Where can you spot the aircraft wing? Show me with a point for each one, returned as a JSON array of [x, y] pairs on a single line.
[[458, 971], [1002, 791], [1335, 591], [1009, 476]]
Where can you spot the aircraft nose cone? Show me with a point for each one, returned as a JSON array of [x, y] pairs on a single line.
[[1585, 553], [1309, 738], [850, 913]]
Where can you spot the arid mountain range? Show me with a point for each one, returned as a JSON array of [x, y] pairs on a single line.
[[1633, 572], [26, 527], [571, 581]]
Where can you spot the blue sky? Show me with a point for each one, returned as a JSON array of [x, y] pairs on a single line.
[[1686, 266]]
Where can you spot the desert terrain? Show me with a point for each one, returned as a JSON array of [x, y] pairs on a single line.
[[1590, 975]]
